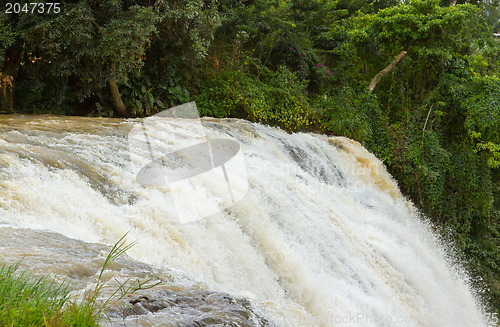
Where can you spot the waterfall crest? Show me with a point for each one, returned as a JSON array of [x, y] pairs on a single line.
[[321, 237]]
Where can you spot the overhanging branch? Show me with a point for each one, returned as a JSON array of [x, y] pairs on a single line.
[[384, 71]]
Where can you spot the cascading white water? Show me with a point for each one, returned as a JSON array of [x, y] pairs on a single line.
[[322, 237]]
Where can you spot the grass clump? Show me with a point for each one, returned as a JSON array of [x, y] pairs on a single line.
[[26, 301]]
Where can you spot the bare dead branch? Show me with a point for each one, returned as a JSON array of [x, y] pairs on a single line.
[[384, 71]]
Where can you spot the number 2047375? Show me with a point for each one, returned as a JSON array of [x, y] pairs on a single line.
[[32, 8], [492, 319]]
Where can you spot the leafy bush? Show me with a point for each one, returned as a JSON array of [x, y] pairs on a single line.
[[266, 96], [356, 115]]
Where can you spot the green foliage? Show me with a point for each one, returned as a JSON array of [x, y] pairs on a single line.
[[190, 24], [125, 289], [434, 37], [482, 108], [7, 35], [274, 34], [431, 151], [94, 43], [440, 139], [25, 301], [272, 97], [221, 95], [351, 114], [123, 38], [280, 100], [81, 49], [52, 96], [141, 95]]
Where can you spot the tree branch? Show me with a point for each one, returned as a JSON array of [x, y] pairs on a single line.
[[384, 71], [118, 104]]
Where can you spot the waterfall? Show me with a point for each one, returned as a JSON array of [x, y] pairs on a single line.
[[318, 234]]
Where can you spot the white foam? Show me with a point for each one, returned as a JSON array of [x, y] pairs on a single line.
[[322, 237]]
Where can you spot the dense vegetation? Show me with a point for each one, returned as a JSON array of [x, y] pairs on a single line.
[[417, 82], [26, 301]]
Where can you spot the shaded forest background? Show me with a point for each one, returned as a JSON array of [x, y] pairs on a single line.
[[417, 82]]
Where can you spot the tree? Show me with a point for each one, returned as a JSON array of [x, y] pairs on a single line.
[[433, 101], [95, 45], [7, 37]]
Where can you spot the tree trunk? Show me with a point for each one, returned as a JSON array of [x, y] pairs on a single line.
[[118, 104], [384, 71], [117, 98], [7, 87], [8, 77]]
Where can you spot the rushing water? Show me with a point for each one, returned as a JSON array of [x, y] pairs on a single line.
[[318, 236]]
